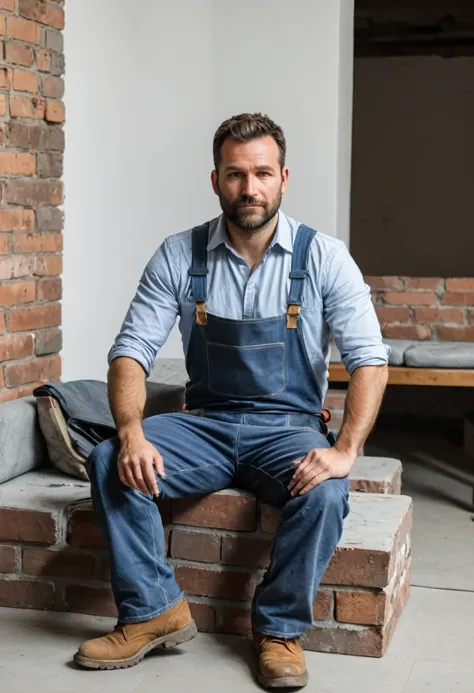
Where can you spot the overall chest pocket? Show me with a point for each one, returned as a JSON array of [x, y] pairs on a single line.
[[247, 371]]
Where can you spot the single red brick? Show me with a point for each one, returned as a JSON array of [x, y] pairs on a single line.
[[90, 600], [383, 283], [416, 332], [50, 289], [393, 314], [24, 594], [471, 317], [18, 54], [55, 111], [16, 346], [23, 80], [237, 621], [50, 164], [423, 283], [364, 608], [17, 293], [456, 334], [204, 616], [38, 369], [439, 315], [23, 30], [83, 528], [248, 552], [411, 298], [27, 107], [48, 265], [451, 298], [464, 284], [48, 342], [17, 220], [4, 247], [16, 266], [206, 582], [323, 606], [361, 567], [41, 12], [37, 243], [22, 319], [43, 60], [195, 546], [8, 559], [28, 525], [53, 86], [33, 192], [58, 563], [217, 510], [17, 163], [269, 518]]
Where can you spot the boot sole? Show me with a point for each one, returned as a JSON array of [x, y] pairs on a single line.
[[284, 682], [178, 637]]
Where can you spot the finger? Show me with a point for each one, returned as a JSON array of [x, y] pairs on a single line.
[[316, 481], [312, 472], [140, 484], [301, 470], [159, 465], [149, 478], [128, 476]]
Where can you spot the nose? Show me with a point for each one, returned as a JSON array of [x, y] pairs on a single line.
[[250, 186]]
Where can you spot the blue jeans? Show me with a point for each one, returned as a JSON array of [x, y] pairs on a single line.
[[207, 453]]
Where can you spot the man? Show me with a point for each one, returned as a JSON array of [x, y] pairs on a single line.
[[258, 296]]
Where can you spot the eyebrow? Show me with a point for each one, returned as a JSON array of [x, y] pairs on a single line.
[[263, 167]]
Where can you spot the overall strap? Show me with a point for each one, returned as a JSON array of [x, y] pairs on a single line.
[[299, 272], [199, 271]]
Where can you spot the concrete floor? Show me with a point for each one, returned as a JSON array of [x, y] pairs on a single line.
[[432, 650]]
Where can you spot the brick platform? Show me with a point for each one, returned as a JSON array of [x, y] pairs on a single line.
[[52, 557]]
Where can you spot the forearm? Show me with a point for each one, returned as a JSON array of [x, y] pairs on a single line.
[[364, 397], [127, 396]]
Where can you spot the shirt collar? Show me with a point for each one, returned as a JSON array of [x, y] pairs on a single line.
[[283, 235]]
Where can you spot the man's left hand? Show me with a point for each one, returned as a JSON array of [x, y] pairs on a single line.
[[317, 466]]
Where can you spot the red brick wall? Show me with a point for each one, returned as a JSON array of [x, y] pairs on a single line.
[[31, 160], [425, 308]]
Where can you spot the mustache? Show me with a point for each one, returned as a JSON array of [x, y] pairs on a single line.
[[246, 200]]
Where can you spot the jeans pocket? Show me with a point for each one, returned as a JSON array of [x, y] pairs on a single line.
[[247, 371]]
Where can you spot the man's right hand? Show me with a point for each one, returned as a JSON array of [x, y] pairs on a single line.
[[137, 462]]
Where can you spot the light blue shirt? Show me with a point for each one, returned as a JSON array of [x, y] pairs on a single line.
[[336, 300]]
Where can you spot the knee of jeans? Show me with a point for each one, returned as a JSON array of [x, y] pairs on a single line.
[[103, 459], [331, 496]]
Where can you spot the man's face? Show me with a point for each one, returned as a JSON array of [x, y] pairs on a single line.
[[250, 182]]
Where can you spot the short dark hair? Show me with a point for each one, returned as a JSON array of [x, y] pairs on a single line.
[[245, 127]]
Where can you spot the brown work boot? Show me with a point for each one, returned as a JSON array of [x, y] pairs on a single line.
[[281, 662], [130, 642]]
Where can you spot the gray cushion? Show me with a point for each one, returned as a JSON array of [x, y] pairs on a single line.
[[22, 446], [398, 349], [441, 355]]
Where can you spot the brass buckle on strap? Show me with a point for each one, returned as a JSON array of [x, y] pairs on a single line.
[[292, 316], [201, 315]]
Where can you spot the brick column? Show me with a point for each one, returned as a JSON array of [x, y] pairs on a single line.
[[31, 161]]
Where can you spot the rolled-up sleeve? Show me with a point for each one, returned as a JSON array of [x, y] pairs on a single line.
[[350, 313], [152, 313]]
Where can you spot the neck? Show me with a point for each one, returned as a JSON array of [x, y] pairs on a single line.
[[252, 245]]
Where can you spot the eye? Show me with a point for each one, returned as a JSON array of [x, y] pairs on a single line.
[[234, 174], [264, 174]]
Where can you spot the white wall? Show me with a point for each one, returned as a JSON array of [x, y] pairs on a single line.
[[146, 89]]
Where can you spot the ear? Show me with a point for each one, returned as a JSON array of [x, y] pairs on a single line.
[[214, 181], [284, 177]]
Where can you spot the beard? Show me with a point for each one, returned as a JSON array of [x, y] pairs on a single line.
[[250, 218]]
